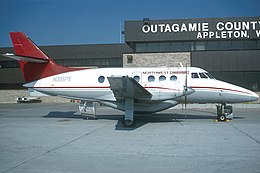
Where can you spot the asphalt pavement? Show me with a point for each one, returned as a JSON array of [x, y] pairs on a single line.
[[41, 138]]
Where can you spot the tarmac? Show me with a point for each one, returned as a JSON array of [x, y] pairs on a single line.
[[41, 138]]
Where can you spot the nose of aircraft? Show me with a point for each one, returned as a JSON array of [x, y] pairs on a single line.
[[237, 94], [254, 97], [250, 96]]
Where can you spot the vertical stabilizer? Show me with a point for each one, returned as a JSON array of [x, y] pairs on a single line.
[[35, 64]]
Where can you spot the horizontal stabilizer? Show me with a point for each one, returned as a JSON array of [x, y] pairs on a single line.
[[35, 93], [25, 59]]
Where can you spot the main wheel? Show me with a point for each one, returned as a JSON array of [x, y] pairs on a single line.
[[222, 117], [128, 123]]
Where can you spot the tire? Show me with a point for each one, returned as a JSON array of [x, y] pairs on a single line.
[[222, 117], [128, 124]]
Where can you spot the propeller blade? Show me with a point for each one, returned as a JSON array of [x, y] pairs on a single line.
[[186, 89]]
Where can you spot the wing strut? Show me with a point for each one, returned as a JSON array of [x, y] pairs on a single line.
[[129, 103], [129, 112]]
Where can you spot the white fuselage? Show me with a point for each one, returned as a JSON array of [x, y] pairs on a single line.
[[165, 84]]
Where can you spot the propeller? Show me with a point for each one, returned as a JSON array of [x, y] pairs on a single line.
[[185, 87], [185, 91]]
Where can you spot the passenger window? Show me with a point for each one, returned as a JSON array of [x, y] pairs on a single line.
[[173, 78], [151, 78], [101, 79], [162, 78], [194, 75], [203, 76], [210, 76], [136, 78]]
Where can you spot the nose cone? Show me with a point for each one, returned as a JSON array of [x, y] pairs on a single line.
[[231, 93], [249, 96], [254, 96]]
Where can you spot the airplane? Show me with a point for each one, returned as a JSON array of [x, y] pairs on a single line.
[[132, 90]]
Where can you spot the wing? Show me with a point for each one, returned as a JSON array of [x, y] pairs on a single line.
[[126, 87]]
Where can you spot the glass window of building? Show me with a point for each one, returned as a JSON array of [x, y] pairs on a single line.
[[97, 62], [212, 45], [199, 46], [225, 45], [164, 46], [9, 64], [105, 62], [89, 62], [250, 44], [177, 46], [187, 46], [258, 44], [237, 45], [140, 47], [152, 47]]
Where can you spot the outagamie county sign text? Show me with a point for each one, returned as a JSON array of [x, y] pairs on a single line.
[[234, 29]]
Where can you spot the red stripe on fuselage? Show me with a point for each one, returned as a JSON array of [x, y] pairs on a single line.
[[194, 87], [99, 87]]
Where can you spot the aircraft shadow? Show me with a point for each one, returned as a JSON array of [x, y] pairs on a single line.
[[59, 114], [140, 119], [160, 118]]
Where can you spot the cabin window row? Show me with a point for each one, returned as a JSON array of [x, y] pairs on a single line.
[[150, 78]]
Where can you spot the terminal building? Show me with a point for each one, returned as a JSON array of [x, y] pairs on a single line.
[[229, 48]]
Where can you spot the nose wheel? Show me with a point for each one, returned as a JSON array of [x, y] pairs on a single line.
[[222, 117], [224, 112]]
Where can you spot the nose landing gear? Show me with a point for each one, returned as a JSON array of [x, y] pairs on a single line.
[[226, 113]]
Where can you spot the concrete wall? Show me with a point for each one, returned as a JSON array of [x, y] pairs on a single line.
[[156, 59], [10, 96]]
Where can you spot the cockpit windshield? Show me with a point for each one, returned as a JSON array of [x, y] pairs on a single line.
[[194, 75], [202, 75], [210, 76]]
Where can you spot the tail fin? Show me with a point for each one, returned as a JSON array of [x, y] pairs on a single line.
[[35, 64]]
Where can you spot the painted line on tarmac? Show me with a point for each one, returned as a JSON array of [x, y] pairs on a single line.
[[244, 133]]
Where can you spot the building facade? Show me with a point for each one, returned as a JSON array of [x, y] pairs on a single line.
[[229, 48]]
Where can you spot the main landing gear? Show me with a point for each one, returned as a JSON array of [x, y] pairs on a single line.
[[87, 109], [128, 120], [128, 123], [224, 112]]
